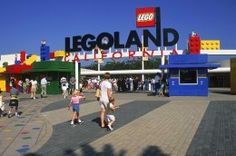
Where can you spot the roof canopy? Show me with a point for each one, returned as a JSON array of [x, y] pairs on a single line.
[[17, 68], [52, 66], [205, 65], [189, 61]]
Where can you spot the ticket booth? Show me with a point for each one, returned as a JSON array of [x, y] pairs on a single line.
[[188, 75]]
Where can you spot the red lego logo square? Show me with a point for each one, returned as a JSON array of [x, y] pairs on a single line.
[[145, 17]]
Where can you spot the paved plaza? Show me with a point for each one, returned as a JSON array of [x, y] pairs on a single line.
[[145, 126]]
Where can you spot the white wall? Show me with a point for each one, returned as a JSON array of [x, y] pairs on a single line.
[[10, 58]]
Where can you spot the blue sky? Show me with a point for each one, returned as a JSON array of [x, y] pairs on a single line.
[[24, 23]]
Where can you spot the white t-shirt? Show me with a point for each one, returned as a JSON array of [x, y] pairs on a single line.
[[65, 86], [157, 79], [34, 83], [20, 83], [104, 86], [44, 81]]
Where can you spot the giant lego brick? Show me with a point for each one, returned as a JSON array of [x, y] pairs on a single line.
[[59, 53], [31, 59], [44, 53], [2, 83], [22, 56], [51, 55], [210, 44], [194, 45]]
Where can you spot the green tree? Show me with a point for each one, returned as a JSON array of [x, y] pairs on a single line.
[[5, 64], [134, 64]]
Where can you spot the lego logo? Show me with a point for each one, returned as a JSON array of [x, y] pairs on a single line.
[[145, 17]]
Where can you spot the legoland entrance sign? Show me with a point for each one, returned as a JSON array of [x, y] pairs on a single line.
[[145, 17]]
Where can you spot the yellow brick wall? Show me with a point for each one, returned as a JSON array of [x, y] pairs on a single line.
[[233, 75], [210, 44]]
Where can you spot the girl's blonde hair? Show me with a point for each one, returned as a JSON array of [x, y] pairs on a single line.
[[75, 92]]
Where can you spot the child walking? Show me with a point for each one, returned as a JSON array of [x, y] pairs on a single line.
[[75, 104], [111, 107]]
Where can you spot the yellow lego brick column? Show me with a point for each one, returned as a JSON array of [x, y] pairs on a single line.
[[2, 79], [2, 83], [210, 44], [233, 75]]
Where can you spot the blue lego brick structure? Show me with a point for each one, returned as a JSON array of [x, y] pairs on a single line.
[[44, 52], [188, 75]]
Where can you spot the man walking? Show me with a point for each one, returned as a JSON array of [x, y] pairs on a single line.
[[43, 87], [106, 95]]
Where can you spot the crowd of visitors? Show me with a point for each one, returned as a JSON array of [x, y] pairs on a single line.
[[156, 85]]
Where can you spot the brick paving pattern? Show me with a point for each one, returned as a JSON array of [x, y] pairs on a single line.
[[146, 125], [216, 134]]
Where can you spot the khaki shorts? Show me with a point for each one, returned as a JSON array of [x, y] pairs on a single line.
[[103, 104], [33, 89]]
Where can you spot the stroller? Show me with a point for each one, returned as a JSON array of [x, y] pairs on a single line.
[[161, 90], [2, 109]]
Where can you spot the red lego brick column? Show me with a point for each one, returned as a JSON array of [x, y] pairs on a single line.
[[194, 44], [22, 56]]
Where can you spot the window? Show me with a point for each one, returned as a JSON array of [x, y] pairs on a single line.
[[188, 76]]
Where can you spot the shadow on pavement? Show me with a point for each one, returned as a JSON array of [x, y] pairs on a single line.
[[222, 92], [153, 150], [108, 150], [96, 120], [32, 154], [226, 91]]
